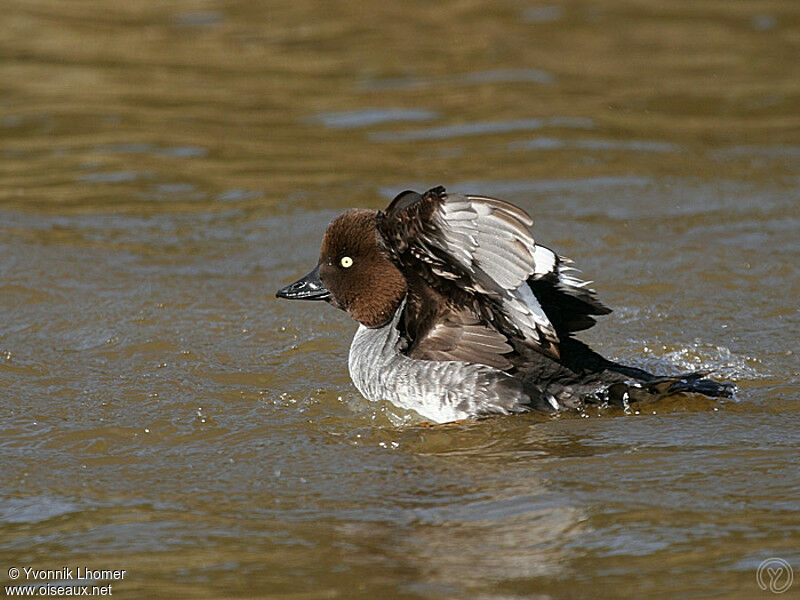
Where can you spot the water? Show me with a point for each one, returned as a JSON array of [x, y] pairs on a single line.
[[166, 167]]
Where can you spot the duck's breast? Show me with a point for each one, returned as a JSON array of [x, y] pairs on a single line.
[[441, 391]]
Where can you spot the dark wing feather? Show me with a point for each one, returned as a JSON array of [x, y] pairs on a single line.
[[460, 336]]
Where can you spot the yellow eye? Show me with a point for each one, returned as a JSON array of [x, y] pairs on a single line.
[[346, 262]]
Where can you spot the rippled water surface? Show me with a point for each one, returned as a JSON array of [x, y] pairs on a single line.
[[165, 167]]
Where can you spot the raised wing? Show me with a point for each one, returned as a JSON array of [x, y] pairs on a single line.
[[478, 253]]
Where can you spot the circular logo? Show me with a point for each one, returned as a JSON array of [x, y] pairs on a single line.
[[775, 575]]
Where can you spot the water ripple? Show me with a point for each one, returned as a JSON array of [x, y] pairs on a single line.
[[354, 119], [481, 128], [458, 80]]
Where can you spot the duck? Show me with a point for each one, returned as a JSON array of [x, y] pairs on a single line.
[[463, 315]]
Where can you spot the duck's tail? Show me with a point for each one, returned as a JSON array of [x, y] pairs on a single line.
[[647, 388], [582, 377]]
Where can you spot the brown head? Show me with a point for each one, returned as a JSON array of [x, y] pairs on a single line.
[[353, 273]]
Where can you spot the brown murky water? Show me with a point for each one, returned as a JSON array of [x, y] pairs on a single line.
[[164, 167]]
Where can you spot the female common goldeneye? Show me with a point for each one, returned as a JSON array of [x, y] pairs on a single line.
[[461, 314]]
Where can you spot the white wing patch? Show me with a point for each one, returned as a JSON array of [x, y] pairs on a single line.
[[548, 262], [544, 260]]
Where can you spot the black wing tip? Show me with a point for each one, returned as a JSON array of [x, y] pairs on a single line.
[[408, 198], [437, 193], [601, 308], [594, 306], [403, 201]]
